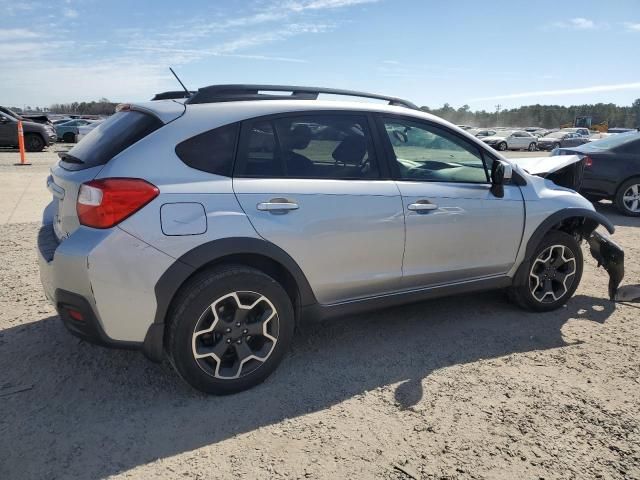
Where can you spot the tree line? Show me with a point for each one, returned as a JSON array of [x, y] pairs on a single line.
[[546, 116]]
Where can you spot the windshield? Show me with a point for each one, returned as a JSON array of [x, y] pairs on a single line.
[[614, 141], [556, 135]]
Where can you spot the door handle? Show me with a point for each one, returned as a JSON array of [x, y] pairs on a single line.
[[422, 206], [277, 205]]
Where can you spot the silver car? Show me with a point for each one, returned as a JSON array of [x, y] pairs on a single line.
[[207, 229], [512, 140]]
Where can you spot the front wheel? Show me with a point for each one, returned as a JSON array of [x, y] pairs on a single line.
[[502, 146], [627, 198], [33, 142], [552, 276], [229, 329], [532, 147]]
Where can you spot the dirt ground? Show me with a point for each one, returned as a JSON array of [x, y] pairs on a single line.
[[464, 387]]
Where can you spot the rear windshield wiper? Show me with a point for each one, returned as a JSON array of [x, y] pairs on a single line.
[[65, 157]]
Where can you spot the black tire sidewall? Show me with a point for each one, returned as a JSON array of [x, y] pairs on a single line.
[[502, 147], [524, 293], [619, 203], [205, 290], [30, 138]]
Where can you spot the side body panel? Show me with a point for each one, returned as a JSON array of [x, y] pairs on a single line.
[[347, 236], [471, 234]]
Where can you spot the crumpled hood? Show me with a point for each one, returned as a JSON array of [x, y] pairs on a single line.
[[543, 166]]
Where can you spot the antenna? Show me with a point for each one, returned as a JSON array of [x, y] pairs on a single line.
[[180, 81]]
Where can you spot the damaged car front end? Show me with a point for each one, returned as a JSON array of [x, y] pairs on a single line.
[[567, 171]]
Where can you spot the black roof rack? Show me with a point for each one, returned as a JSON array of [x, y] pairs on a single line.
[[172, 95], [232, 93]]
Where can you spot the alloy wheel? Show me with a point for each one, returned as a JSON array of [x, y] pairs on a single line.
[[631, 198], [552, 273], [235, 335]]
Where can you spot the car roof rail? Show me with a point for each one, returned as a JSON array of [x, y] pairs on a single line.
[[171, 95], [233, 93]]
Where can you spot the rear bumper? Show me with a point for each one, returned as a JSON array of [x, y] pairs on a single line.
[[85, 325], [107, 278]]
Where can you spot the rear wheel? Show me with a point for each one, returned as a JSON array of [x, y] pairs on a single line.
[[229, 329], [502, 146], [627, 198], [69, 137], [552, 276], [532, 147], [33, 142]]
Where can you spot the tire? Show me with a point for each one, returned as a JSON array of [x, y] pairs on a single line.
[[69, 137], [231, 359], [627, 199], [502, 146], [33, 142], [531, 290], [532, 147]]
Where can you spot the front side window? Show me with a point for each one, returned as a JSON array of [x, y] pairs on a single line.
[[309, 146], [430, 153]]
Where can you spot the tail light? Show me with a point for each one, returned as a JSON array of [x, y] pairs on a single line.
[[588, 161], [105, 203]]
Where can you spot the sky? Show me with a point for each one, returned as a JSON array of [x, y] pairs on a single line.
[[461, 52]]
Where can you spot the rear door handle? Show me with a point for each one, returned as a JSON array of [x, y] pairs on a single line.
[[277, 205], [422, 206]]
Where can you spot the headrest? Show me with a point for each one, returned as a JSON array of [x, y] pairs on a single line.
[[299, 137], [351, 150]]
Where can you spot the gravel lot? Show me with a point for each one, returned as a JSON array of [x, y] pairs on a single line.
[[465, 387]]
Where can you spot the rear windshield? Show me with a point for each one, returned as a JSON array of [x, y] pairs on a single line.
[[108, 139], [614, 141]]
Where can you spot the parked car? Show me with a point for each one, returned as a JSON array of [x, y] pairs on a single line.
[[36, 135], [612, 170], [561, 139], [621, 130], [61, 121], [84, 130], [512, 140], [67, 131], [208, 229], [480, 133], [583, 132]]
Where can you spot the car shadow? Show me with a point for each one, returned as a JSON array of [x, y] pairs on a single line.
[[73, 409]]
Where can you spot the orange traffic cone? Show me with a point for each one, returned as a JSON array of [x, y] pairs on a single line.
[[23, 160]]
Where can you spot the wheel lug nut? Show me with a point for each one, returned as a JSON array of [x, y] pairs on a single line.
[[239, 341], [245, 331], [238, 324], [228, 330], [228, 340]]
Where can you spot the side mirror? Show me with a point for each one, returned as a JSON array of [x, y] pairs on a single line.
[[501, 173]]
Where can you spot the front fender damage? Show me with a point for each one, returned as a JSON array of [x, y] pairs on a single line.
[[610, 256]]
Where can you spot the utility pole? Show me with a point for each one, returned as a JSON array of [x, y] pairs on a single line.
[[498, 107]]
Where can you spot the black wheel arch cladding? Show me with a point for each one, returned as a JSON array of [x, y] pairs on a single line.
[[185, 266], [586, 222]]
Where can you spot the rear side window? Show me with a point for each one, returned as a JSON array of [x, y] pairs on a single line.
[[309, 146], [111, 137], [212, 151]]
